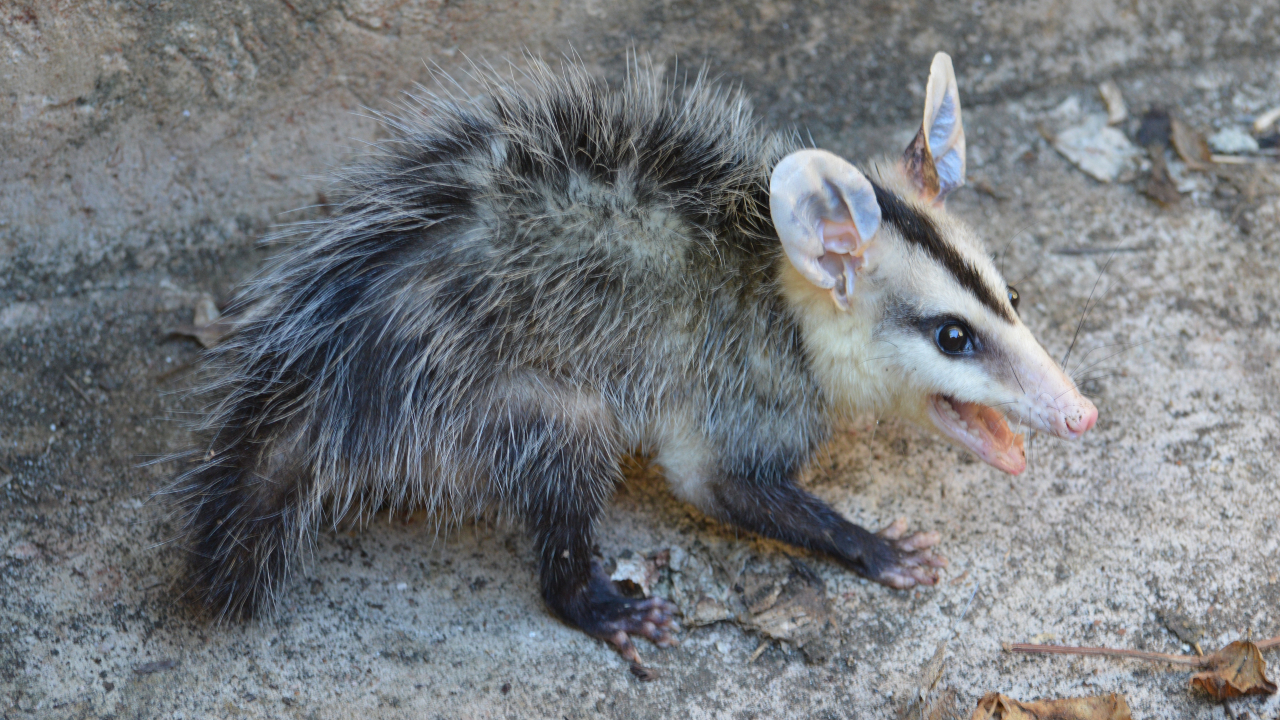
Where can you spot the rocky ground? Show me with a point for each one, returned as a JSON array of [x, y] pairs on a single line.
[[1158, 529]]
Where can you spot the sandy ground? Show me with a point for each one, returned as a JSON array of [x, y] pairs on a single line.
[[1166, 514]]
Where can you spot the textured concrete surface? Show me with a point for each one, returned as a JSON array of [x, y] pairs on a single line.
[[144, 146]]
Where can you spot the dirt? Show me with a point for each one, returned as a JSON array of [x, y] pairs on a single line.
[[120, 211]]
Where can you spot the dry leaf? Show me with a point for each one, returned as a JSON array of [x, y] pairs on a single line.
[[706, 611], [931, 673], [1190, 144], [946, 707], [1238, 670], [1265, 120], [635, 571], [207, 327], [1235, 670], [994, 706], [1160, 185], [1114, 100], [796, 610]]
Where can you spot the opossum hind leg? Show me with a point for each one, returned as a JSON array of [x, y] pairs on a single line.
[[561, 467]]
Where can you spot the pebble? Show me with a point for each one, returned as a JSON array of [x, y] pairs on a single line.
[[1233, 141]]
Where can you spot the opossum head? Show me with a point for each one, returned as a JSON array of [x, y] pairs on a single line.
[[903, 310]]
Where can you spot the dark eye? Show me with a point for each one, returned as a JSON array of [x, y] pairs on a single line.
[[1013, 296], [954, 339]]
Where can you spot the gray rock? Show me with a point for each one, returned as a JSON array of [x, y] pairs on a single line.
[[1233, 141]]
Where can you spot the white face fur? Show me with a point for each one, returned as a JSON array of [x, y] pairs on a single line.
[[903, 310]]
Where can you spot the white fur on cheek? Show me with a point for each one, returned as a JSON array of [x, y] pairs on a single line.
[[842, 347]]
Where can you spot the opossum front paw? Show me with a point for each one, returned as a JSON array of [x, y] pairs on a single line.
[[601, 611], [912, 560]]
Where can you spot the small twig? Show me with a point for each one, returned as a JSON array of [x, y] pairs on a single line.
[[1240, 160], [83, 395], [1190, 660], [1101, 250]]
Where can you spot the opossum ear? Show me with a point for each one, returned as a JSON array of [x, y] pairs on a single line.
[[935, 158], [825, 211]]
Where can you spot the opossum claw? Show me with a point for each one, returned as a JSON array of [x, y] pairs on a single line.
[[652, 619], [600, 610], [914, 562]]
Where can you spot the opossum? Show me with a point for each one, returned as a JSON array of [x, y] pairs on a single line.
[[518, 291]]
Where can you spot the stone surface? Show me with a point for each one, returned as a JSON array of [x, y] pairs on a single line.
[[144, 147]]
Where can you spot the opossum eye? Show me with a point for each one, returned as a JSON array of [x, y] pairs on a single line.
[[1013, 297], [954, 339]]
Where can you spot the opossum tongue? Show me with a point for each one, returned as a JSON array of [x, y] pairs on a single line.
[[980, 429]]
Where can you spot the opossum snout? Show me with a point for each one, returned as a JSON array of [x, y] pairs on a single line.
[[1079, 419], [1065, 413]]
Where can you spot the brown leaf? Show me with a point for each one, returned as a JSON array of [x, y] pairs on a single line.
[[207, 327], [1190, 144], [994, 706], [1238, 670], [946, 707], [1160, 186], [796, 610]]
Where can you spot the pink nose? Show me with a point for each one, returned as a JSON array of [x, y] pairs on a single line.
[[1083, 422]]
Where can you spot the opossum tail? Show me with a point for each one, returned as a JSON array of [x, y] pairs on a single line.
[[245, 521]]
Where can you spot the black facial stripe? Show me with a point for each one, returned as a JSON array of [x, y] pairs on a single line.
[[920, 230]]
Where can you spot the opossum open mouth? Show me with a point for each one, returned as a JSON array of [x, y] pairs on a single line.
[[982, 430]]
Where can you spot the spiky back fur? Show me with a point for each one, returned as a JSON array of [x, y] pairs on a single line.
[[573, 265]]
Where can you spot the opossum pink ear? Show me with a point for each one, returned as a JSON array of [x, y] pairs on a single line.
[[935, 158], [825, 211]]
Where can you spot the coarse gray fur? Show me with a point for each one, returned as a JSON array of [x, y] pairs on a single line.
[[517, 291], [599, 260]]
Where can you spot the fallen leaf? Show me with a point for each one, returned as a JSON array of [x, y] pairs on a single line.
[[208, 327], [1238, 670], [1265, 120], [931, 673], [1190, 144], [946, 707], [635, 570], [1114, 100], [206, 310], [1235, 670], [795, 609], [706, 611], [994, 706], [1160, 185]]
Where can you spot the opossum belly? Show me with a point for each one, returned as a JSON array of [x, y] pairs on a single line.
[[686, 461]]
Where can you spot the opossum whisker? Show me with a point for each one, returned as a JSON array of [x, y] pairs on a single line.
[[1009, 243], [1087, 306], [1123, 350]]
